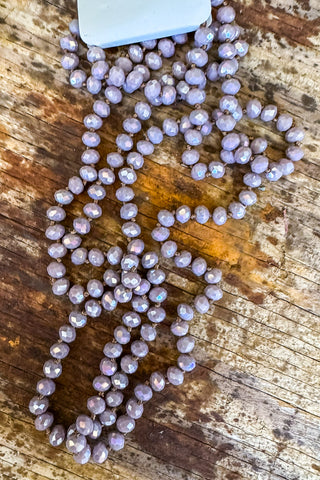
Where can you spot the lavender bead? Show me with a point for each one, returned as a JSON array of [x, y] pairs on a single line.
[[219, 216], [212, 71], [206, 128], [195, 96], [183, 260], [135, 53], [92, 121], [158, 295], [93, 85], [96, 257], [69, 43], [259, 164], [106, 176], [124, 142], [186, 363], [175, 375], [74, 27], [284, 122], [114, 399], [201, 304], [258, 145], [237, 210], [243, 155], [213, 292], [274, 172], [185, 344], [114, 255], [202, 214], [166, 47], [228, 103], [145, 148], [56, 270], [79, 256], [153, 61], [180, 38], [139, 348], [77, 319], [116, 77], [185, 124], [99, 69], [63, 197], [108, 366], [51, 369], [182, 89], [193, 137], [287, 167], [197, 56], [57, 435], [156, 314], [216, 169], [238, 114], [37, 406], [170, 127], [46, 387], [227, 51], [226, 32], [227, 157], [199, 266], [230, 141], [55, 232], [253, 108], [183, 214], [269, 113], [77, 78], [134, 409], [226, 14], [247, 197], [203, 36], [195, 76], [133, 82], [294, 153], [160, 234], [95, 54], [124, 63], [84, 424], [226, 123], [131, 125], [179, 70], [152, 89], [113, 94], [179, 328], [147, 332], [101, 383], [228, 67], [198, 117], [184, 310], [116, 441], [95, 288], [231, 86], [92, 308], [91, 139], [143, 393], [144, 71], [56, 214], [295, 134], [213, 275], [56, 250], [149, 260], [83, 457], [96, 430], [90, 156], [60, 286], [43, 421], [69, 61], [103, 110], [252, 180], [95, 405], [155, 135], [156, 276], [99, 453], [168, 249], [67, 333], [190, 157], [135, 159], [142, 109], [241, 48], [169, 94]]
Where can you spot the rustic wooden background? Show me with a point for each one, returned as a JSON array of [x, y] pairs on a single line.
[[251, 409]]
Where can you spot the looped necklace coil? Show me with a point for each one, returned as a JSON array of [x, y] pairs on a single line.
[[133, 278]]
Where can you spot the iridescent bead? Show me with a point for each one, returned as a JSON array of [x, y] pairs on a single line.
[[84, 456], [99, 69], [95, 405], [226, 32], [183, 214], [133, 82], [247, 197], [197, 56], [152, 89], [185, 344], [95, 288], [101, 383], [134, 409], [219, 216], [131, 125], [142, 288], [55, 232], [213, 292], [94, 54], [131, 280], [57, 435], [226, 123], [287, 167], [201, 304], [168, 249], [259, 164], [228, 67], [160, 234], [122, 294], [64, 197], [114, 399], [186, 363], [103, 110], [190, 157], [92, 308], [155, 135], [184, 310], [77, 78], [84, 424], [145, 148], [108, 301], [99, 453], [56, 214], [139, 348], [76, 443], [91, 139], [253, 108], [149, 44], [135, 247], [129, 364], [113, 94], [108, 418], [116, 77], [269, 113], [130, 229], [156, 314], [284, 122], [116, 441], [96, 430], [237, 210], [46, 387], [195, 76], [93, 86], [43, 421], [96, 257], [216, 169], [231, 86], [144, 70], [112, 350], [124, 194], [143, 392], [108, 366], [124, 63], [169, 94], [74, 27], [180, 38], [56, 269], [274, 172], [203, 36], [206, 128], [242, 155], [135, 159], [79, 256], [166, 47], [60, 286], [295, 134], [241, 47], [81, 225], [143, 110], [212, 71], [147, 332], [199, 266], [140, 304], [51, 369], [88, 173], [157, 381], [37, 405], [182, 89], [294, 153], [69, 61], [131, 319], [59, 350], [231, 141], [213, 275], [227, 50], [198, 117], [158, 295], [183, 260], [202, 214], [153, 61], [135, 53], [120, 380], [57, 250], [195, 95], [179, 70], [252, 180], [179, 328], [193, 137], [92, 121], [175, 375]]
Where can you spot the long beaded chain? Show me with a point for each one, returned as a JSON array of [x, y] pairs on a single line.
[[134, 277]]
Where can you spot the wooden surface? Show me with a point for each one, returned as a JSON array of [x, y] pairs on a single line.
[[251, 408]]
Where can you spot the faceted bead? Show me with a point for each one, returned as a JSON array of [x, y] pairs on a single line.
[[241, 47], [237, 210], [108, 418], [116, 77], [186, 363], [116, 441], [185, 344], [175, 375], [131, 229], [135, 53], [226, 14], [92, 210], [71, 241], [77, 78], [202, 214], [77, 319], [259, 164], [217, 169], [75, 185], [228, 67], [180, 39], [226, 123], [51, 369], [131, 319], [124, 142], [56, 269], [231, 86], [57, 435], [153, 61], [124, 63], [252, 180], [127, 176], [96, 430], [284, 122], [147, 332], [253, 108], [294, 153], [269, 113], [258, 145], [179, 69], [103, 110], [198, 117], [199, 266], [122, 294], [243, 155], [134, 409], [203, 36], [212, 71], [213, 292], [226, 32], [227, 50], [197, 56], [115, 160], [114, 399], [195, 76], [84, 456], [166, 47], [69, 61], [91, 139], [125, 424], [139, 348], [67, 333], [230, 141], [179, 329], [76, 294], [37, 406], [99, 70], [206, 128], [133, 82], [195, 95], [213, 276], [79, 256], [95, 288], [76, 443], [190, 157], [160, 234], [63, 196], [43, 421], [143, 392], [108, 366], [158, 294], [92, 308], [113, 95], [143, 110], [99, 453], [95, 405], [219, 216], [84, 424], [168, 249], [129, 364], [166, 218], [101, 383], [96, 257], [131, 125], [193, 137], [135, 159], [169, 94], [155, 135], [120, 380], [295, 134], [56, 214], [131, 280], [157, 381], [144, 70], [185, 311], [156, 314], [142, 288], [46, 386], [274, 172], [129, 261], [59, 350], [94, 54], [112, 350], [182, 89], [149, 260], [93, 85], [183, 214], [183, 260], [201, 304], [247, 197], [60, 286], [106, 176], [287, 166]]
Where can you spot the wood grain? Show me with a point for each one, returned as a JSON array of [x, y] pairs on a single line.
[[250, 410]]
